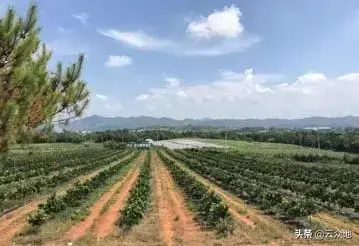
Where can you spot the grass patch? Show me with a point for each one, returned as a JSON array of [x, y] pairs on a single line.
[[110, 202], [270, 148]]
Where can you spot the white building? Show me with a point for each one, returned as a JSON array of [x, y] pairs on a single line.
[[150, 141], [145, 145]]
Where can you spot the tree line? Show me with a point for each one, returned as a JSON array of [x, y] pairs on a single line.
[[31, 95], [344, 140]]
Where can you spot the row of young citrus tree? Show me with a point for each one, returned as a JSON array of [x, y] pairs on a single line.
[[268, 187], [45, 164], [329, 175], [211, 211], [15, 193], [14, 162], [75, 195], [139, 198], [331, 194], [333, 187], [266, 197]]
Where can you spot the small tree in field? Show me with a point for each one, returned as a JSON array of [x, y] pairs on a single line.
[[30, 95]]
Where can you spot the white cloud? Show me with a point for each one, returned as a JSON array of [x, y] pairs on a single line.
[[311, 78], [223, 24], [223, 47], [181, 93], [118, 61], [82, 17], [173, 82], [349, 77], [142, 97], [105, 106], [114, 107], [220, 23], [138, 40], [251, 95], [143, 41], [101, 97]]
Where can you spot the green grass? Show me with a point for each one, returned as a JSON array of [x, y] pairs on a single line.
[[83, 211], [270, 148], [49, 147]]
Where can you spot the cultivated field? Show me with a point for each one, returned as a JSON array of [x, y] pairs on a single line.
[[185, 144], [268, 148], [182, 196]]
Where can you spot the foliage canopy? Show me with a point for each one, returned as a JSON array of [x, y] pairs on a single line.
[[31, 95]]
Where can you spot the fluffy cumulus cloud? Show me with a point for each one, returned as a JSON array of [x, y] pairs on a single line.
[[250, 95], [173, 82], [350, 77], [142, 97], [220, 23], [219, 33], [311, 78], [118, 61]]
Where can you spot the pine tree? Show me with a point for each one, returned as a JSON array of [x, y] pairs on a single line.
[[30, 95]]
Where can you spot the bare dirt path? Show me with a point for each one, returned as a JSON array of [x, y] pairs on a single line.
[[14, 221], [147, 232], [253, 227], [103, 226], [78, 230], [260, 229], [337, 223], [176, 221]]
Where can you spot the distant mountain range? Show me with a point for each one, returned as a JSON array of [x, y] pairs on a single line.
[[100, 123]]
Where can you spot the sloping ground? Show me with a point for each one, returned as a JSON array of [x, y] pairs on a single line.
[[145, 233], [105, 223], [259, 229], [335, 222], [269, 148], [14, 221], [103, 205], [185, 144], [169, 220], [176, 221], [77, 231]]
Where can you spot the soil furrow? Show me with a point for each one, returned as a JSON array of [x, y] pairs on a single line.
[[103, 226], [257, 227], [14, 221], [166, 217], [177, 222], [79, 230]]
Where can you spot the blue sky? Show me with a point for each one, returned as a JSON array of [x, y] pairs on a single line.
[[209, 58]]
